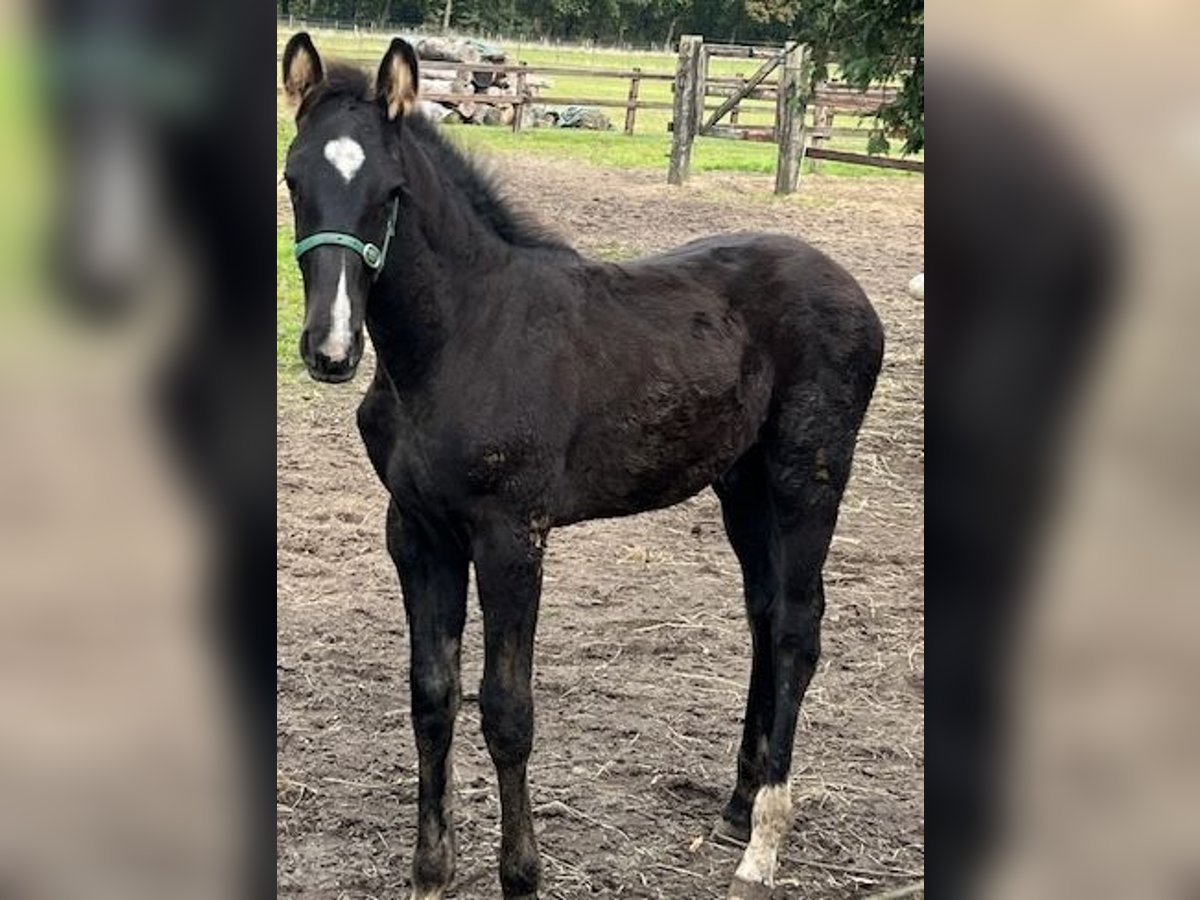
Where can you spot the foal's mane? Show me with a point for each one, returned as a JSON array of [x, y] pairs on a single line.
[[479, 189], [452, 165]]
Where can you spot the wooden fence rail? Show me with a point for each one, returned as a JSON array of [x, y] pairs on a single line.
[[844, 99]]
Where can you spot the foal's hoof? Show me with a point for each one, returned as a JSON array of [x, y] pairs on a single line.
[[740, 889], [730, 834]]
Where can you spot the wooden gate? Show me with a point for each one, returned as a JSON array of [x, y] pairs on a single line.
[[791, 92], [691, 82]]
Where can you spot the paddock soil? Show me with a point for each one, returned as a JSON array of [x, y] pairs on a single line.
[[642, 650]]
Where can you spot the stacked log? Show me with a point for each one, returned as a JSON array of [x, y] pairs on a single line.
[[440, 77], [459, 50], [478, 95]]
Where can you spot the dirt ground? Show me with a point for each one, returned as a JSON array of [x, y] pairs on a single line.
[[642, 650]]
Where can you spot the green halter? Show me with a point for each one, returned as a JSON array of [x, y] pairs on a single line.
[[372, 255]]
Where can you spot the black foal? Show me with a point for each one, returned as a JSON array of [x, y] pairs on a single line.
[[520, 387]]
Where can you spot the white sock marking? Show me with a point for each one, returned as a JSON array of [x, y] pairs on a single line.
[[337, 343], [770, 821], [346, 155]]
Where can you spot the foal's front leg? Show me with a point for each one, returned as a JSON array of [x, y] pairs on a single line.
[[508, 570], [433, 574]]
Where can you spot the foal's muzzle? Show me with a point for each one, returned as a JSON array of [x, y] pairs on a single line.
[[322, 368]]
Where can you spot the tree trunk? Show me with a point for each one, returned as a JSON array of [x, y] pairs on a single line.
[[385, 14], [446, 15]]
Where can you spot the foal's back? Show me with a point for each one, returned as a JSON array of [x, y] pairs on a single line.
[[676, 361]]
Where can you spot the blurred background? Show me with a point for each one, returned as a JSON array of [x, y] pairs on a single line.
[[136, 446], [136, 450], [1060, 612]]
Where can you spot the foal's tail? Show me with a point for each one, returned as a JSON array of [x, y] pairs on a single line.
[[873, 347], [864, 340]]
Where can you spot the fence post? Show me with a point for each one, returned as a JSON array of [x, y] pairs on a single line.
[[631, 109], [522, 97], [789, 118], [687, 72], [733, 113], [822, 124]]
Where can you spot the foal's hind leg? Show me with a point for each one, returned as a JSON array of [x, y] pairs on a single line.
[[808, 453], [745, 506], [433, 574]]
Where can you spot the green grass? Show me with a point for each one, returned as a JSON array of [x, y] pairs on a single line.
[[285, 131], [619, 151], [289, 316]]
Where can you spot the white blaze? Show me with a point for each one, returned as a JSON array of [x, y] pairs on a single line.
[[337, 343], [346, 155]]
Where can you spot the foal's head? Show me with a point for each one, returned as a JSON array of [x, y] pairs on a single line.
[[345, 177]]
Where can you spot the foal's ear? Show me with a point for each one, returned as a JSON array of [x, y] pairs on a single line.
[[302, 69], [396, 84]]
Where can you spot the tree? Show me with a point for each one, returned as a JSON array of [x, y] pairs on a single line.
[[873, 41]]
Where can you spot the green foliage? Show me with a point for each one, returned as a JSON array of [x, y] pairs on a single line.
[[779, 12], [873, 42]]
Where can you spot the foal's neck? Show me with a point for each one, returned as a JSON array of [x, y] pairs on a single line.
[[444, 220], [445, 247]]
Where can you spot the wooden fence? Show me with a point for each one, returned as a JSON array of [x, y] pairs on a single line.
[[790, 90], [813, 125]]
